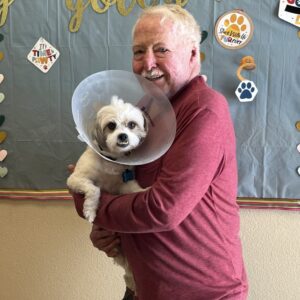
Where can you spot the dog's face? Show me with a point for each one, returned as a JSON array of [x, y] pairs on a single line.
[[120, 127]]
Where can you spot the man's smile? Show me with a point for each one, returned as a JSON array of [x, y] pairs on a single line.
[[154, 78]]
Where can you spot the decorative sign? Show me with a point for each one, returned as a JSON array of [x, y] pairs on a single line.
[[43, 55], [3, 172], [204, 35], [3, 154], [3, 136], [289, 11], [246, 91], [2, 97], [2, 119], [234, 29], [297, 125]]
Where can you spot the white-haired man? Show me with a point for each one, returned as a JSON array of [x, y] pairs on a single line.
[[181, 236]]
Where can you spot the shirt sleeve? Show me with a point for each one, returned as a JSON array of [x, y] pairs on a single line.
[[186, 173]]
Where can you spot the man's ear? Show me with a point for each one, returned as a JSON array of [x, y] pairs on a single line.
[[194, 53]]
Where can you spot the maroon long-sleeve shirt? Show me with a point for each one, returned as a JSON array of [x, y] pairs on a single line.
[[181, 237]]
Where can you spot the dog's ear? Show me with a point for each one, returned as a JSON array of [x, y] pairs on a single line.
[[98, 136], [146, 125]]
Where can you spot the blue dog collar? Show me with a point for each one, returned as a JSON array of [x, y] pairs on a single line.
[[128, 175]]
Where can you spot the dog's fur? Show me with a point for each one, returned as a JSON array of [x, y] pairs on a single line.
[[119, 129]]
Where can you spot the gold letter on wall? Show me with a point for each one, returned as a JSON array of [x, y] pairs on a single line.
[[78, 10], [122, 8], [178, 2], [4, 4], [106, 5]]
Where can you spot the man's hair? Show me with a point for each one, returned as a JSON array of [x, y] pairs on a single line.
[[184, 23]]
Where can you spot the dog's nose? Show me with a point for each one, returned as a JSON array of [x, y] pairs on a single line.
[[122, 137]]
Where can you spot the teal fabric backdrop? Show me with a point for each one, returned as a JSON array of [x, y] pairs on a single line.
[[41, 139]]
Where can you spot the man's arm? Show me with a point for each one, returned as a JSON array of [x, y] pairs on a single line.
[[186, 173]]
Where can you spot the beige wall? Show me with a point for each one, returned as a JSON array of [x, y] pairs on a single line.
[[271, 242], [45, 254]]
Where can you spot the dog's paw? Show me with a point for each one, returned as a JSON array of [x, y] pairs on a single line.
[[89, 214], [91, 203]]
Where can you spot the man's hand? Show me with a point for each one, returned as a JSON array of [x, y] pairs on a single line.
[[106, 241]]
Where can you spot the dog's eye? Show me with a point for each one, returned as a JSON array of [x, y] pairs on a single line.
[[111, 126], [131, 125]]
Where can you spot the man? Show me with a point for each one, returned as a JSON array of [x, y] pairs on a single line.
[[181, 236]]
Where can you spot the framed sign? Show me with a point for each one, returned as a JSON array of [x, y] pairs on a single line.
[[289, 11], [234, 29]]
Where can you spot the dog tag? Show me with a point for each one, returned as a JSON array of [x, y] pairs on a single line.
[[246, 91], [127, 175], [3, 171], [3, 154]]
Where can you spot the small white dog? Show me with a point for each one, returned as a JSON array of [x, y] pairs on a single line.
[[119, 129]]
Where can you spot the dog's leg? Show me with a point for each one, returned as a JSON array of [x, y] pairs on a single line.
[[131, 186], [91, 203], [91, 194], [128, 276]]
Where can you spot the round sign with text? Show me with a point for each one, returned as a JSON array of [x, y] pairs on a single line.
[[234, 29]]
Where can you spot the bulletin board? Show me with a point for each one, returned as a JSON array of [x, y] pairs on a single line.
[[37, 133]]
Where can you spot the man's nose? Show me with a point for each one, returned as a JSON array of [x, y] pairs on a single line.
[[149, 60]]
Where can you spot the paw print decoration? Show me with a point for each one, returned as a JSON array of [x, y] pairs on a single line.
[[234, 29], [246, 91]]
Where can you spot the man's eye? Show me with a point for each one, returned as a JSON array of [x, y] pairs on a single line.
[[131, 125], [138, 54], [111, 126], [162, 49], [161, 52]]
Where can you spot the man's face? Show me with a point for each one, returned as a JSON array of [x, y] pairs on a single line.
[[162, 56]]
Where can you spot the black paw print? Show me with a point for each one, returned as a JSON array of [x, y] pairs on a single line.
[[246, 90]]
